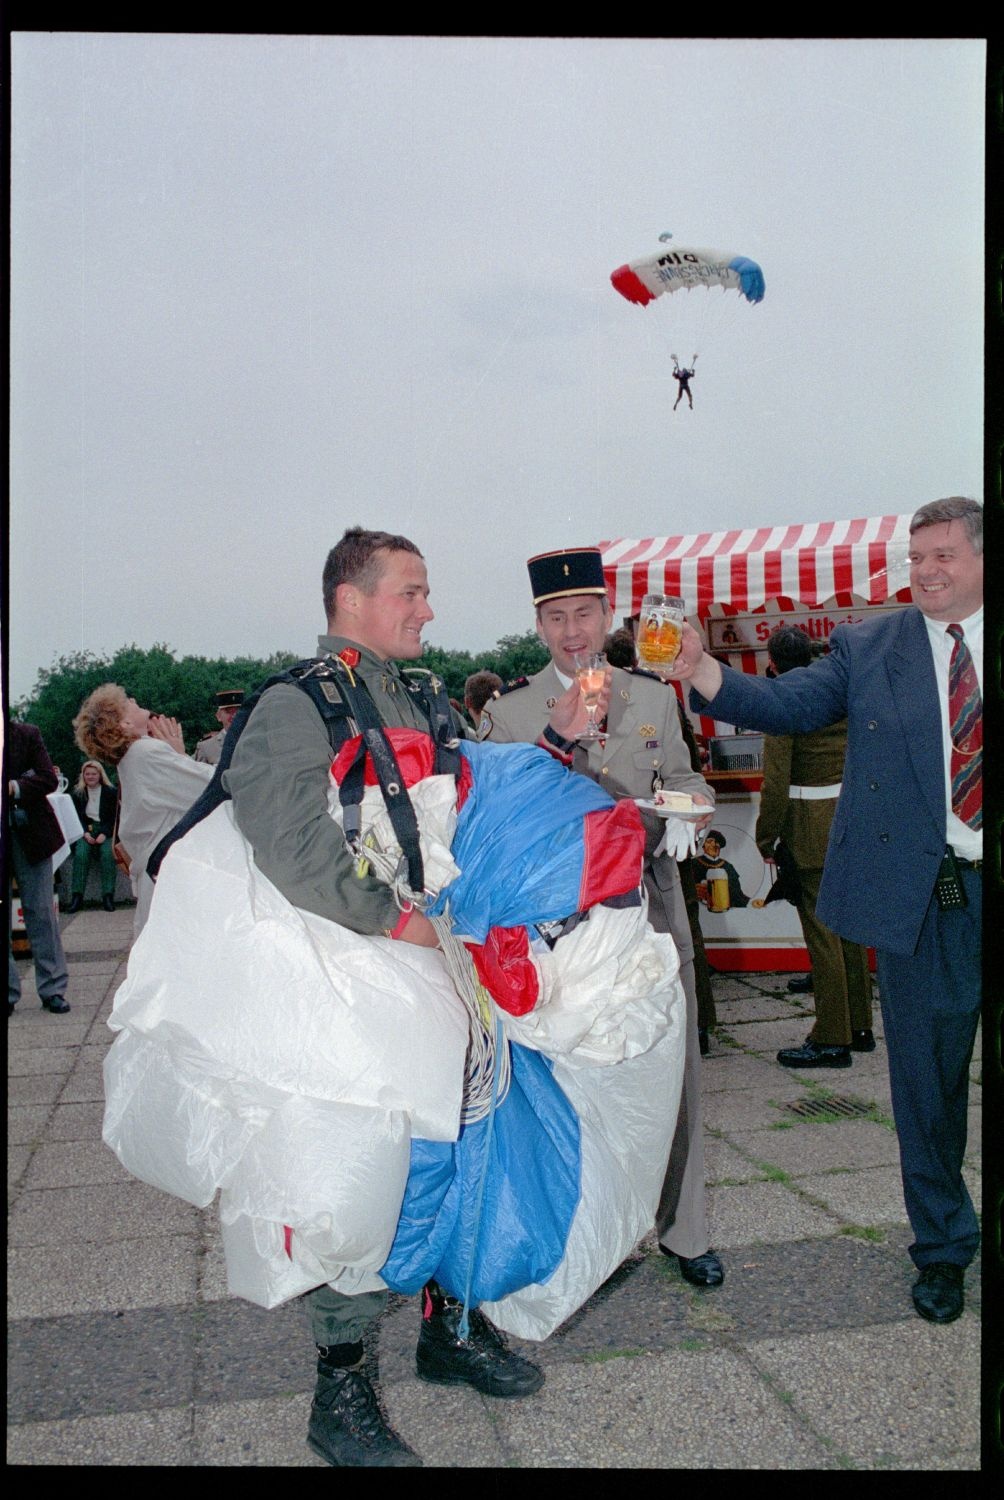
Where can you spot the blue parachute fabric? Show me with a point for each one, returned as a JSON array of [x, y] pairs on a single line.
[[519, 840], [530, 1196], [750, 278]]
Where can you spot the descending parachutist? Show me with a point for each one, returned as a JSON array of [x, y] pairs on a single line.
[[684, 377]]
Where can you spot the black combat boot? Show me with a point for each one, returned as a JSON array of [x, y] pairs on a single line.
[[481, 1359], [347, 1428]]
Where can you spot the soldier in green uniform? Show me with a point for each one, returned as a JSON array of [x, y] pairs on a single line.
[[376, 598], [641, 748], [801, 783]]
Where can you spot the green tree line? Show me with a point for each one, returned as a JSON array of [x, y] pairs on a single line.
[[186, 687]]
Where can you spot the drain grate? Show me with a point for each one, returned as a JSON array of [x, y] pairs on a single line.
[[834, 1104]]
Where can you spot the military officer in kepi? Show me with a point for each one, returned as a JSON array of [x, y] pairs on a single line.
[[640, 750], [209, 747]]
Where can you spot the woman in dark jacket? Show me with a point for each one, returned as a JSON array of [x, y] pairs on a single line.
[[96, 801]]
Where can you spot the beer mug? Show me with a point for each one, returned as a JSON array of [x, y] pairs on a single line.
[[718, 890], [660, 630]]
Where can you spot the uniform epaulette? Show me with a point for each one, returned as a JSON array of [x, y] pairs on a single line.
[[510, 687], [641, 672]]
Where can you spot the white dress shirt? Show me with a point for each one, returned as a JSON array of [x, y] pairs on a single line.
[[967, 842]]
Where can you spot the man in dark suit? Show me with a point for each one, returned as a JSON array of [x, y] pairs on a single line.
[[35, 835], [903, 865]]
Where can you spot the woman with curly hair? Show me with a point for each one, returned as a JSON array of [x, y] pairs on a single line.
[[157, 780], [96, 801]]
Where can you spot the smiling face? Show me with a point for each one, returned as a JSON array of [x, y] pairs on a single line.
[[572, 627], [92, 776], [946, 573], [388, 621]]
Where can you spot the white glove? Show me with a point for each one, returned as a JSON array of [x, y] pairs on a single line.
[[679, 839]]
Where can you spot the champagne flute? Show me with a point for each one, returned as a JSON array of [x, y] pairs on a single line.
[[591, 673]]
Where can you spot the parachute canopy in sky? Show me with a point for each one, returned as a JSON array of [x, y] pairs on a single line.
[[671, 269]]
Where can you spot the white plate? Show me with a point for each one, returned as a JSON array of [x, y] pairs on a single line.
[[668, 812]]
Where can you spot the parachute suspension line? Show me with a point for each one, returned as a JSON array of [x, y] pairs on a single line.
[[487, 1070]]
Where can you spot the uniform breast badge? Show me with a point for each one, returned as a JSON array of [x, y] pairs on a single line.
[[646, 730]]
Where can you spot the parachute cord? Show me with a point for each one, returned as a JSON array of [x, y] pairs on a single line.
[[487, 1068]]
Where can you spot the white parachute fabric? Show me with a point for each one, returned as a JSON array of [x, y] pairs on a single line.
[[599, 990], [627, 1117], [287, 1063]]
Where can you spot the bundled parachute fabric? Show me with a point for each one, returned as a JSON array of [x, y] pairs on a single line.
[[627, 1115], [564, 847], [517, 1231], [309, 1074]]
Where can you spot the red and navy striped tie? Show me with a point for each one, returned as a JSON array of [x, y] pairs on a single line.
[[965, 711]]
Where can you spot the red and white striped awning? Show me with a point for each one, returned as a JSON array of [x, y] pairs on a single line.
[[810, 563]]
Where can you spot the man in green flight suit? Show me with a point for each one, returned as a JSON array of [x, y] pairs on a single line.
[[376, 601]]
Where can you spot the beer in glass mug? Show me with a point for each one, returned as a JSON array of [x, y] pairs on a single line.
[[660, 630]]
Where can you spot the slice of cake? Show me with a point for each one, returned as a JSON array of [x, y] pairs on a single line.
[[677, 802]]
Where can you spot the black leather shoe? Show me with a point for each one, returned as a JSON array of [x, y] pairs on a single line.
[[108, 902], [937, 1293], [481, 1360], [800, 985], [703, 1270], [57, 1005], [74, 904], [348, 1430], [813, 1055], [702, 1040], [862, 1041]]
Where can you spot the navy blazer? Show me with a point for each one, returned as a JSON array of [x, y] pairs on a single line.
[[888, 834]]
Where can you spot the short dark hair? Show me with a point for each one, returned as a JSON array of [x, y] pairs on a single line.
[[619, 648], [955, 508], [788, 647], [356, 559], [479, 687], [719, 838]]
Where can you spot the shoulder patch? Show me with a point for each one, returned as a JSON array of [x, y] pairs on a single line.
[[510, 687]]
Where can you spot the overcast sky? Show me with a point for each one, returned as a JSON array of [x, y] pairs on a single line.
[[264, 288]]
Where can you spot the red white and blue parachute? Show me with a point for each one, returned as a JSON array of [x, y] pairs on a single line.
[[314, 1077], [674, 269]]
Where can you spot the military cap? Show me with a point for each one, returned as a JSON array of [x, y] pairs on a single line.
[[229, 699], [557, 575]]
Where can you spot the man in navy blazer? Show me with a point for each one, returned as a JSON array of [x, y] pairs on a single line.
[[895, 838]]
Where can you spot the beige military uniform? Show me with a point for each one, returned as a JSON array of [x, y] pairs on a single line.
[[210, 747], [643, 748]]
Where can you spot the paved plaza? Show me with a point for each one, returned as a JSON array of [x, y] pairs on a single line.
[[125, 1347]]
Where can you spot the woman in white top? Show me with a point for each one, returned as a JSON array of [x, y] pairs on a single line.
[[157, 780]]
